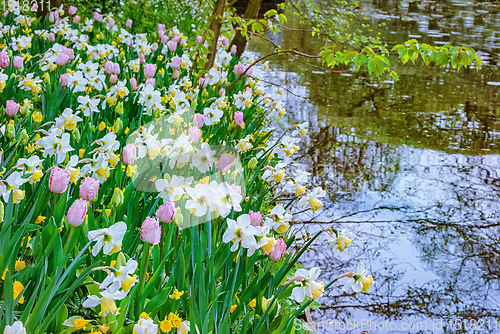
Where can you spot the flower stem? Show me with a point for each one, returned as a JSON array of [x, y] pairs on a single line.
[[144, 268], [53, 205], [66, 245]]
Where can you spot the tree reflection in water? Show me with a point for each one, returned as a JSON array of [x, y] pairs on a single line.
[[414, 165]]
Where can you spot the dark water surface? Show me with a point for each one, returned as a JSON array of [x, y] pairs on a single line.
[[414, 165]]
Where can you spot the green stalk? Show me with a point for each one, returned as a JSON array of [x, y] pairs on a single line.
[[144, 268], [66, 245]]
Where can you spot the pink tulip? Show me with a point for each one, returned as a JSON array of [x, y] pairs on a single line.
[[17, 62], [128, 23], [225, 162], [151, 81], [233, 49], [76, 213], [56, 15], [149, 70], [199, 120], [128, 156], [108, 67], [175, 75], [200, 81], [238, 118], [161, 27], [195, 134], [113, 79], [166, 212], [163, 39], [237, 189], [63, 80], [89, 188], [97, 17], [239, 69], [199, 39], [154, 47], [51, 17], [172, 46], [176, 62], [72, 10], [248, 89], [76, 19], [176, 39], [58, 22], [142, 59], [68, 52], [250, 71], [255, 218], [62, 59], [11, 108], [279, 249], [222, 91], [225, 41], [34, 7], [116, 68], [133, 83], [150, 231], [111, 23], [59, 179], [4, 60], [52, 37]]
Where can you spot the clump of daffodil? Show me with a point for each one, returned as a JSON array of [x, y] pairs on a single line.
[[358, 281]]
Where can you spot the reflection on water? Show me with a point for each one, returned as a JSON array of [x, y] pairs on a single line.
[[412, 168]]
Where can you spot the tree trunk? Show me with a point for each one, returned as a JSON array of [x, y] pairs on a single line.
[[239, 40], [43, 6], [215, 26]]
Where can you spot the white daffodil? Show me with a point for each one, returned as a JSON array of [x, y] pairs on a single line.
[[308, 286], [201, 196], [212, 77], [121, 278], [212, 115], [16, 328], [88, 105], [67, 120], [225, 198], [312, 199], [261, 239], [107, 302], [110, 238], [180, 151], [173, 189], [341, 242], [203, 158], [145, 326], [56, 143], [359, 282], [77, 81], [240, 232], [281, 218], [11, 184], [275, 174], [185, 328], [29, 164], [301, 129]]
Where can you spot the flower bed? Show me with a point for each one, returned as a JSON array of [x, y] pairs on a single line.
[[140, 193]]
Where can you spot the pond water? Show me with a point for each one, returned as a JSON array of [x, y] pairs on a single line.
[[412, 169]]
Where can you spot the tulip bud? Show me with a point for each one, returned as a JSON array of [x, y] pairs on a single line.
[[89, 188], [150, 231], [10, 131], [118, 126], [166, 212], [46, 80], [59, 179], [75, 134], [117, 198], [17, 62], [253, 163], [238, 118], [119, 108], [121, 261], [11, 108], [255, 218], [76, 212], [128, 156], [128, 23], [23, 138]]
